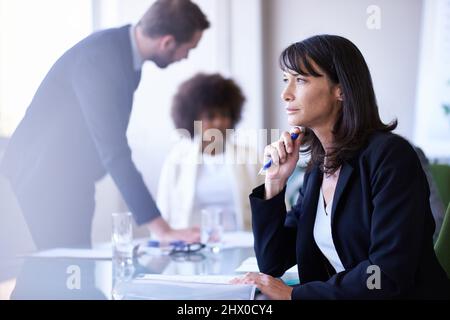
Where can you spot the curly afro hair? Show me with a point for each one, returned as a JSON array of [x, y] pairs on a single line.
[[208, 94]]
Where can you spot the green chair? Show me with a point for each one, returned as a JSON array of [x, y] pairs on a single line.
[[442, 246], [441, 176]]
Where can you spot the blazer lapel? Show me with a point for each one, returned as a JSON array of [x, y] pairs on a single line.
[[308, 210], [307, 249], [344, 178]]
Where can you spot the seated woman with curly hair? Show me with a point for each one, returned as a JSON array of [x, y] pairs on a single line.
[[197, 175]]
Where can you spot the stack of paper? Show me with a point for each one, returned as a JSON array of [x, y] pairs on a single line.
[[176, 287], [212, 279], [251, 265], [95, 254], [239, 239]]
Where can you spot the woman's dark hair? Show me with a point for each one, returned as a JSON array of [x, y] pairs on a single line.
[[344, 64], [180, 18], [209, 94]]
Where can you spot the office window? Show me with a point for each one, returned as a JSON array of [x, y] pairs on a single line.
[[433, 94], [33, 34]]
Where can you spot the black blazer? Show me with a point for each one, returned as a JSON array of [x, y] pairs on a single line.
[[380, 216], [75, 128]]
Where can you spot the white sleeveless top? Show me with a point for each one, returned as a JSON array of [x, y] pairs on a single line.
[[214, 188], [322, 233]]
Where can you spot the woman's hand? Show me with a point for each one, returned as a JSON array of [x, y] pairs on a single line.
[[284, 154], [273, 288]]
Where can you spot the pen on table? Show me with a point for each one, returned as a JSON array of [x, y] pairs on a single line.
[[268, 164], [158, 244], [155, 246]]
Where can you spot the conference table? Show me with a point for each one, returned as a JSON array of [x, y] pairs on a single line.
[[105, 278]]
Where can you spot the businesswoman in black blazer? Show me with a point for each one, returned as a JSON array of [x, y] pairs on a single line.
[[362, 227]]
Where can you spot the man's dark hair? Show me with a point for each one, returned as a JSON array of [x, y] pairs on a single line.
[[342, 62], [180, 18], [209, 94]]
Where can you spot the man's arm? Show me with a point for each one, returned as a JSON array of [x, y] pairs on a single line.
[[106, 106]]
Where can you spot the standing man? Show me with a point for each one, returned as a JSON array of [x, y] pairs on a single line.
[[74, 131]]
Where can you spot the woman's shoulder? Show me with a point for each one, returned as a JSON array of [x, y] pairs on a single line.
[[387, 145], [181, 150], [387, 140]]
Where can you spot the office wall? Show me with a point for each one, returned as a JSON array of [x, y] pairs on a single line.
[[391, 51]]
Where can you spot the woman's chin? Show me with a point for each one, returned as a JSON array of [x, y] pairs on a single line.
[[295, 122]]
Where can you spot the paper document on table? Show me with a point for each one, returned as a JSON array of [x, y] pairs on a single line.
[[251, 265], [184, 287], [237, 239], [94, 254], [212, 279]]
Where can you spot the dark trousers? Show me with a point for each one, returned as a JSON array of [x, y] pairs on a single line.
[[58, 212]]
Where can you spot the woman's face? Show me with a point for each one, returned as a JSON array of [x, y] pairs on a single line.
[[311, 102], [215, 120]]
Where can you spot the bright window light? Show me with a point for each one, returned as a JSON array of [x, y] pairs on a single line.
[[33, 35]]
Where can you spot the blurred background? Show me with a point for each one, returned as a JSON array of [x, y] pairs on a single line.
[[406, 44]]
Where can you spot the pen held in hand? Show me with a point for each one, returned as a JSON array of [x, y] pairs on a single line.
[[269, 163]]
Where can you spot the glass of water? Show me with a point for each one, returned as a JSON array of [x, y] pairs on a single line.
[[122, 246], [122, 234], [211, 227]]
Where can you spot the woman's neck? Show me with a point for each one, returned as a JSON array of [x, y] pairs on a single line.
[[325, 136], [215, 151]]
